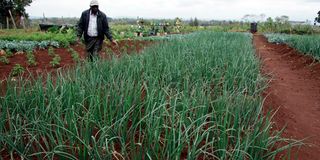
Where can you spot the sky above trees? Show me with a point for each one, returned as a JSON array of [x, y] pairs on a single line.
[[203, 9]]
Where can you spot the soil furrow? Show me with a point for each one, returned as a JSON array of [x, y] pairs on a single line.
[[294, 90]]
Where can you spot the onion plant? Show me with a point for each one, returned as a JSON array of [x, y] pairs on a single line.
[[192, 97]]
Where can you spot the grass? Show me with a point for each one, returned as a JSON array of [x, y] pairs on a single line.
[[196, 96]]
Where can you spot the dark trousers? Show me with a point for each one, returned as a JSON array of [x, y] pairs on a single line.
[[93, 47]]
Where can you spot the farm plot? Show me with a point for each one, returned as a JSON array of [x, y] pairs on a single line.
[[308, 44], [41, 57], [192, 97]]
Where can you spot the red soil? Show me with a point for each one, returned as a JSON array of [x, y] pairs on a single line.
[[294, 90], [43, 59]]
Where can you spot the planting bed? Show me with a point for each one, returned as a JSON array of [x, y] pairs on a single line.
[[294, 92], [43, 59], [193, 97]]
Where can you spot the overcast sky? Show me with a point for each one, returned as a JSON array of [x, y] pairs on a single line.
[[203, 9]]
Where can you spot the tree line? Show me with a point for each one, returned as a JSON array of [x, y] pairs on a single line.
[[317, 19], [12, 11]]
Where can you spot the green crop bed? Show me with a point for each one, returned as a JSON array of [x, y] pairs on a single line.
[[193, 96], [64, 39], [308, 44]]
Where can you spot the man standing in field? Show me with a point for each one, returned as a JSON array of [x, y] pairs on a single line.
[[93, 24]]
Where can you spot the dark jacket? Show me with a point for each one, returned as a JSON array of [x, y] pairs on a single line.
[[102, 25]]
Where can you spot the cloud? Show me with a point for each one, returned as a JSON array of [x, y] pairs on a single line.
[[203, 9], [317, 1]]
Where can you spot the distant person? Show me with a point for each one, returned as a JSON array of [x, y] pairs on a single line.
[[93, 24]]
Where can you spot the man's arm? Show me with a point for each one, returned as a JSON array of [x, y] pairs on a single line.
[[107, 31], [80, 27]]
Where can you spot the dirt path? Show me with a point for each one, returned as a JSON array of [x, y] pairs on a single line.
[[294, 89]]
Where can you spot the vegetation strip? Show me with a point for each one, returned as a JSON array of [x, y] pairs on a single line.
[[308, 44], [64, 39], [26, 45]]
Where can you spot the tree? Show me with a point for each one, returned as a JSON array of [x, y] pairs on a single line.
[[269, 22], [254, 18], [195, 22], [191, 22], [17, 8], [177, 25], [318, 18], [177, 21], [283, 19]]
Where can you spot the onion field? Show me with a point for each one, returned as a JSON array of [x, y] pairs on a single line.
[[195, 96], [308, 44]]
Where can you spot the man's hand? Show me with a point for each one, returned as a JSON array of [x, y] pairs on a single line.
[[114, 42]]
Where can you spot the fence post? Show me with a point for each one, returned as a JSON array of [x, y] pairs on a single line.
[[7, 22], [14, 23]]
